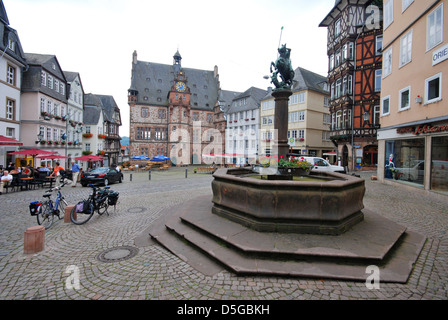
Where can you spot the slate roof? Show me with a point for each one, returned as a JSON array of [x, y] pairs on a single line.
[[102, 102], [254, 97], [338, 6], [91, 114], [70, 76], [32, 77], [153, 82], [225, 99], [6, 32], [308, 80], [46, 62]]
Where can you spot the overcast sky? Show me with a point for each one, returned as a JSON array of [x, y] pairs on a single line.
[[97, 38]]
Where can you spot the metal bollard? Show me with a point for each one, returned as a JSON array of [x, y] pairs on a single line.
[[130, 177], [149, 172], [186, 173]]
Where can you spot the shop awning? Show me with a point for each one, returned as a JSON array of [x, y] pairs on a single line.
[[5, 141]]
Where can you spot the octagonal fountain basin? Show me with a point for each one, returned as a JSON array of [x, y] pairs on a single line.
[[321, 203]]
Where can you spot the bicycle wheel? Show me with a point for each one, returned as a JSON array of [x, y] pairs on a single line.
[[45, 217], [62, 205], [79, 217], [103, 206]]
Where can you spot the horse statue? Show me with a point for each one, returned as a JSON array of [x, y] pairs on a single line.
[[284, 68]]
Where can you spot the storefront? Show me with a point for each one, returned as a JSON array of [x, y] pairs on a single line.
[[415, 154]]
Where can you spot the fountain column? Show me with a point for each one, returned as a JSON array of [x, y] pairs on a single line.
[[281, 121]]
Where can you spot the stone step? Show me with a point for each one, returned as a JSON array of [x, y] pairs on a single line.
[[243, 251], [370, 239], [395, 268]]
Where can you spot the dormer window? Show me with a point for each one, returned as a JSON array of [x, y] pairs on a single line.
[[11, 45]]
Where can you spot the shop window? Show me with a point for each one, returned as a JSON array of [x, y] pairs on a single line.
[[405, 160], [439, 163]]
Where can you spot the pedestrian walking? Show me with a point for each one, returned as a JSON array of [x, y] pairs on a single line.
[[75, 173]]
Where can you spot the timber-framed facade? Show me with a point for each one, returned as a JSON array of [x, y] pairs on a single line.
[[354, 43]]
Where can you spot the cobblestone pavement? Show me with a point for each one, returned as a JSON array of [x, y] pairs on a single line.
[[155, 273]]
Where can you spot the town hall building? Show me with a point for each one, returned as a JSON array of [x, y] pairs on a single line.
[[172, 110]]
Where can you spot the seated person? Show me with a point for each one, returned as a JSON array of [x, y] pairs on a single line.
[[14, 170], [4, 180]]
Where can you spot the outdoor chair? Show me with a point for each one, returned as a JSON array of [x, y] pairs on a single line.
[[9, 186]]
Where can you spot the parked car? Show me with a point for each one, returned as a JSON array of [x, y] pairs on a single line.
[[322, 165], [101, 176]]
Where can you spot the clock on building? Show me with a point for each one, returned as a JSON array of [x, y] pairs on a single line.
[[180, 86]]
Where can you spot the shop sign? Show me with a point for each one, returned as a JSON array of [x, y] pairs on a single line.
[[422, 129], [440, 55]]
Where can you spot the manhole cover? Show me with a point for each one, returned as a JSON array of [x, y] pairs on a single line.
[[117, 254]]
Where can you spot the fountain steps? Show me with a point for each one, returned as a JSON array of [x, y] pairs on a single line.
[[197, 236]]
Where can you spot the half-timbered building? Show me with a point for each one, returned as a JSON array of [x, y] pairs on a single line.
[[354, 41]]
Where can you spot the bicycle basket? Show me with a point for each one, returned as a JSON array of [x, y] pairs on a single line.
[[34, 207], [84, 207], [112, 198]]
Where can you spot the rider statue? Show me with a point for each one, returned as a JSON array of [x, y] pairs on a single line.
[[284, 67]]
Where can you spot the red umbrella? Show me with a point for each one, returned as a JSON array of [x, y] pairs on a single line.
[[52, 157], [32, 152], [90, 158]]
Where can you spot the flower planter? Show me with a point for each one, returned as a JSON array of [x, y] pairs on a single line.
[[294, 171]]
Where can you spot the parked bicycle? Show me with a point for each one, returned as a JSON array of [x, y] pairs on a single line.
[[46, 210], [98, 201]]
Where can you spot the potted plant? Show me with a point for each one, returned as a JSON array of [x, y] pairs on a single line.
[[70, 143], [49, 142], [86, 153], [87, 135], [43, 142]]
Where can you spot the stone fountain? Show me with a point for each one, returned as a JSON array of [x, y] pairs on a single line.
[[279, 227]]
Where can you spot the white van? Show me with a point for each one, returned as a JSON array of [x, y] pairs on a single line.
[[323, 165]]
